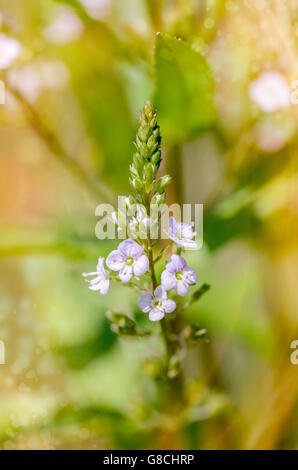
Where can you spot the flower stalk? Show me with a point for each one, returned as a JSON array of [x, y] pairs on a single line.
[[165, 301]]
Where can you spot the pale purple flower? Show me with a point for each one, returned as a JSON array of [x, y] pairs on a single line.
[[101, 281], [182, 234], [128, 260], [270, 91], [178, 275], [156, 305]]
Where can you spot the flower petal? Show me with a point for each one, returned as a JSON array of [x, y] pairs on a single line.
[[188, 244], [176, 263], [156, 315], [186, 230], [104, 286], [160, 293], [145, 301], [125, 273], [190, 275], [130, 248], [168, 280], [95, 283], [100, 267], [115, 260], [182, 288], [169, 305], [172, 226], [140, 266]]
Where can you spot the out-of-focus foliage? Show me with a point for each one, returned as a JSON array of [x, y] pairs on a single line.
[[67, 130], [189, 93]]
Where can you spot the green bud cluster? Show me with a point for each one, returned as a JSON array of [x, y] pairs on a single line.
[[147, 157]]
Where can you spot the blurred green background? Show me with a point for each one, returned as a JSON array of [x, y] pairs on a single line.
[[66, 140]]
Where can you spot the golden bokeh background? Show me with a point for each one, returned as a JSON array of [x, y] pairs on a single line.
[[73, 96]]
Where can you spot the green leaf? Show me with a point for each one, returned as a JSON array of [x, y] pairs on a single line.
[[184, 94]]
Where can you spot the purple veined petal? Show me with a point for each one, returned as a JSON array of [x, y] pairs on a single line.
[[140, 266], [172, 226], [104, 286], [115, 260], [169, 305], [95, 283], [125, 273], [190, 275], [176, 263], [156, 315], [182, 288], [168, 280], [160, 293], [130, 248], [145, 301], [100, 266]]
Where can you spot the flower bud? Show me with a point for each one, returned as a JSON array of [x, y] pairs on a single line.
[[147, 158], [158, 198], [162, 183]]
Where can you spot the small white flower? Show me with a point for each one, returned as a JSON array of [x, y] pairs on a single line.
[[101, 282], [65, 28], [270, 92], [10, 49]]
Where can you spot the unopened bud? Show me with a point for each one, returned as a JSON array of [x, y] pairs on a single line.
[[162, 183]]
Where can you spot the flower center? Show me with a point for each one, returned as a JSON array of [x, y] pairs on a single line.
[[178, 235], [155, 303], [129, 261], [179, 275]]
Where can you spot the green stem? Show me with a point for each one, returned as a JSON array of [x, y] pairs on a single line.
[[154, 285]]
